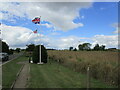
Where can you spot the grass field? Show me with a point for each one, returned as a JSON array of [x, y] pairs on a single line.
[[103, 64], [10, 70], [55, 75]]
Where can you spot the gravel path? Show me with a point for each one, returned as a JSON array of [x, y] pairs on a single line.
[[23, 77]]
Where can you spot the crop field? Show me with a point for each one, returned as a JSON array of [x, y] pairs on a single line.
[[103, 64]]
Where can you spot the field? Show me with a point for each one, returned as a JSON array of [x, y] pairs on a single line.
[[54, 75], [68, 69], [103, 64]]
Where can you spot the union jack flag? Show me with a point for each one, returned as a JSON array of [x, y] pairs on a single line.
[[35, 31], [36, 20]]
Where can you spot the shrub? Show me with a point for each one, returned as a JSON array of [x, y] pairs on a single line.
[[36, 54]]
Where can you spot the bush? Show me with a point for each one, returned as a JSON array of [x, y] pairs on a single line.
[[36, 54], [11, 51]]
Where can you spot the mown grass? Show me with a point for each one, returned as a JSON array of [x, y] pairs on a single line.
[[10, 70], [55, 75]]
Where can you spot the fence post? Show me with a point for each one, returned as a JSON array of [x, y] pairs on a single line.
[[88, 78]]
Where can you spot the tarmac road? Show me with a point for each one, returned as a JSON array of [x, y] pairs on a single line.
[[12, 57]]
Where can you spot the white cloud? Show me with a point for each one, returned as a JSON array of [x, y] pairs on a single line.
[[47, 25], [55, 33], [64, 42], [20, 36], [108, 41], [15, 36], [117, 27], [60, 15]]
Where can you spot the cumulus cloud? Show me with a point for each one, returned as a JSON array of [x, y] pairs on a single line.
[[47, 25], [108, 41], [60, 15], [117, 27], [14, 35], [17, 36]]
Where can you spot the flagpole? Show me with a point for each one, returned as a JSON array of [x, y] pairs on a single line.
[[40, 49]]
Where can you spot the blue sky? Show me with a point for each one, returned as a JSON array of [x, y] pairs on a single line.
[[98, 18]]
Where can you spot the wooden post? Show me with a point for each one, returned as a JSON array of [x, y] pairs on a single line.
[[58, 65], [88, 78]]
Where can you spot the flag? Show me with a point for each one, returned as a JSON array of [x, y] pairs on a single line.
[[36, 20], [35, 31]]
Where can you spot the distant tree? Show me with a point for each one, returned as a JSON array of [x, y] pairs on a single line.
[[11, 51], [75, 49], [102, 47], [86, 46], [80, 47], [71, 48], [97, 47], [5, 47], [30, 47], [23, 49], [18, 50]]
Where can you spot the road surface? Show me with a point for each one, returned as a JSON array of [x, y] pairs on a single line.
[[12, 57]]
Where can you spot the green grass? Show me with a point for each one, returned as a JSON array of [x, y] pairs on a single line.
[[57, 76], [10, 70]]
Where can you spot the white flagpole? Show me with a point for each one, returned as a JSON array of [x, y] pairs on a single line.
[[40, 50], [40, 55]]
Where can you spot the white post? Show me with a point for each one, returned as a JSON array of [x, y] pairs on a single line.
[[88, 78], [40, 54]]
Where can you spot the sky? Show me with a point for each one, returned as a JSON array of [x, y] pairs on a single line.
[[63, 24]]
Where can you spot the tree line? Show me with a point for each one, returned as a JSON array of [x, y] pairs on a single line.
[[5, 48], [87, 47]]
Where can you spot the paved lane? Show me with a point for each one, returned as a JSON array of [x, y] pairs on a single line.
[[12, 57]]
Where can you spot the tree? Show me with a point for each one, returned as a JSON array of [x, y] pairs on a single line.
[[75, 49], [80, 47], [5, 47], [86, 46], [11, 51], [30, 47], [97, 47], [71, 48], [18, 50], [102, 47], [36, 54]]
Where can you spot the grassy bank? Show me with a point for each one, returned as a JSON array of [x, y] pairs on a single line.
[[55, 75], [10, 70]]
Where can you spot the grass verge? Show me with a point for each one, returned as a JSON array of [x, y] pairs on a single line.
[[57, 76], [10, 70]]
